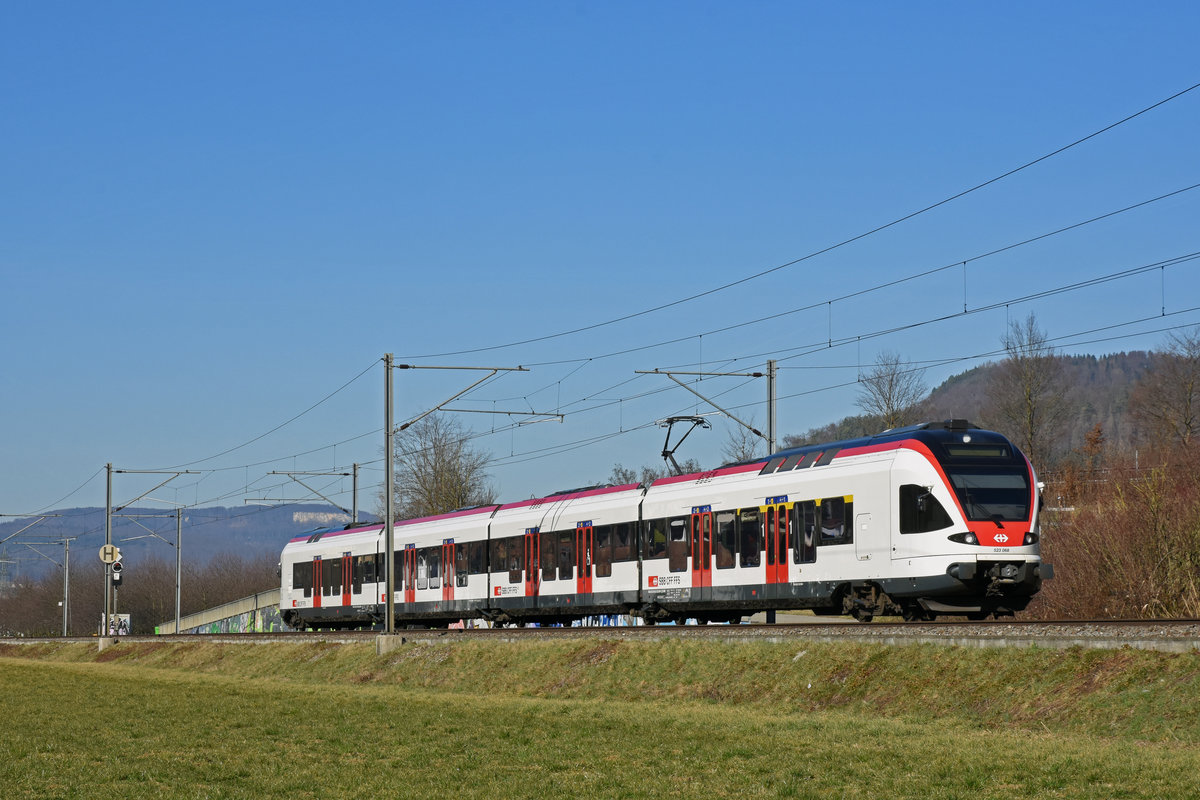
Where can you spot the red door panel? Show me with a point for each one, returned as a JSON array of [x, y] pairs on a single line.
[[583, 559], [778, 541], [346, 579], [410, 574], [448, 570], [701, 550], [532, 566]]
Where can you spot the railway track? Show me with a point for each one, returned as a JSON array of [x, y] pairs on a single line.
[[1167, 635]]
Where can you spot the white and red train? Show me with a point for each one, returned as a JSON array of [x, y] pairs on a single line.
[[933, 519]]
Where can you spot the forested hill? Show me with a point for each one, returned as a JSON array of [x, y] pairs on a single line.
[[1098, 390], [250, 532]]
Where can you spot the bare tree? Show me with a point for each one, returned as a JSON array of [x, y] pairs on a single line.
[[1027, 392], [437, 470], [1166, 402], [742, 444], [892, 390], [621, 474]]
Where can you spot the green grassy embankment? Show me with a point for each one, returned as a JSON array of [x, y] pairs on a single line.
[[596, 719]]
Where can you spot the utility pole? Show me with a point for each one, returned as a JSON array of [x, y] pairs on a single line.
[[66, 583], [108, 509], [389, 624], [771, 431], [178, 562]]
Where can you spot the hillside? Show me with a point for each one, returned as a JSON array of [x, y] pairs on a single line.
[[1099, 389]]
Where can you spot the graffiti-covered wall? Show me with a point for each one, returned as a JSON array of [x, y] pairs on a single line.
[[263, 620], [258, 613]]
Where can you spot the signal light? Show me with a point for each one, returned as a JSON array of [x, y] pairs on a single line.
[[116, 572]]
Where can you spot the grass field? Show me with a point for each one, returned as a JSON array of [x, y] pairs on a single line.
[[596, 719]]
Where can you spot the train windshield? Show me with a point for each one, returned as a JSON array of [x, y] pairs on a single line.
[[1000, 494]]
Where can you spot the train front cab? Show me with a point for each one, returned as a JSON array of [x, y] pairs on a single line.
[[966, 532]]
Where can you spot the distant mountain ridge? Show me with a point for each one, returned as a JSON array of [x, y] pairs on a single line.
[[251, 532]]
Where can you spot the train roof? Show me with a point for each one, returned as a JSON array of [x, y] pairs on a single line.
[[940, 433]]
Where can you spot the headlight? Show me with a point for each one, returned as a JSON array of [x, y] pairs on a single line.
[[1031, 538], [964, 538]]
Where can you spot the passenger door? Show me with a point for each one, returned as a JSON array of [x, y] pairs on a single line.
[[532, 568], [317, 581], [410, 573], [778, 542], [701, 549], [448, 569], [346, 579], [584, 539]]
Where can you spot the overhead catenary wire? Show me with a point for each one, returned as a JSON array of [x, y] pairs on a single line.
[[822, 251], [827, 302], [580, 362]]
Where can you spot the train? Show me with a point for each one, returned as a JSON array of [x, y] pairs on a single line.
[[935, 519]]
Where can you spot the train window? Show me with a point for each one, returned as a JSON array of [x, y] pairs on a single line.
[[461, 571], [356, 574], [331, 571], [785, 534], [677, 546], [422, 570], [603, 551], [750, 534], [920, 511], [791, 462], [770, 536], [433, 560], [726, 539], [836, 521], [566, 555], [499, 555], [401, 574], [977, 450], [516, 559], [992, 494], [804, 530], [548, 552], [476, 552], [302, 577], [656, 538], [808, 460], [622, 540]]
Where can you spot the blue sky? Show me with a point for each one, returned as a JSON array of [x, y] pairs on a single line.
[[215, 217]]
